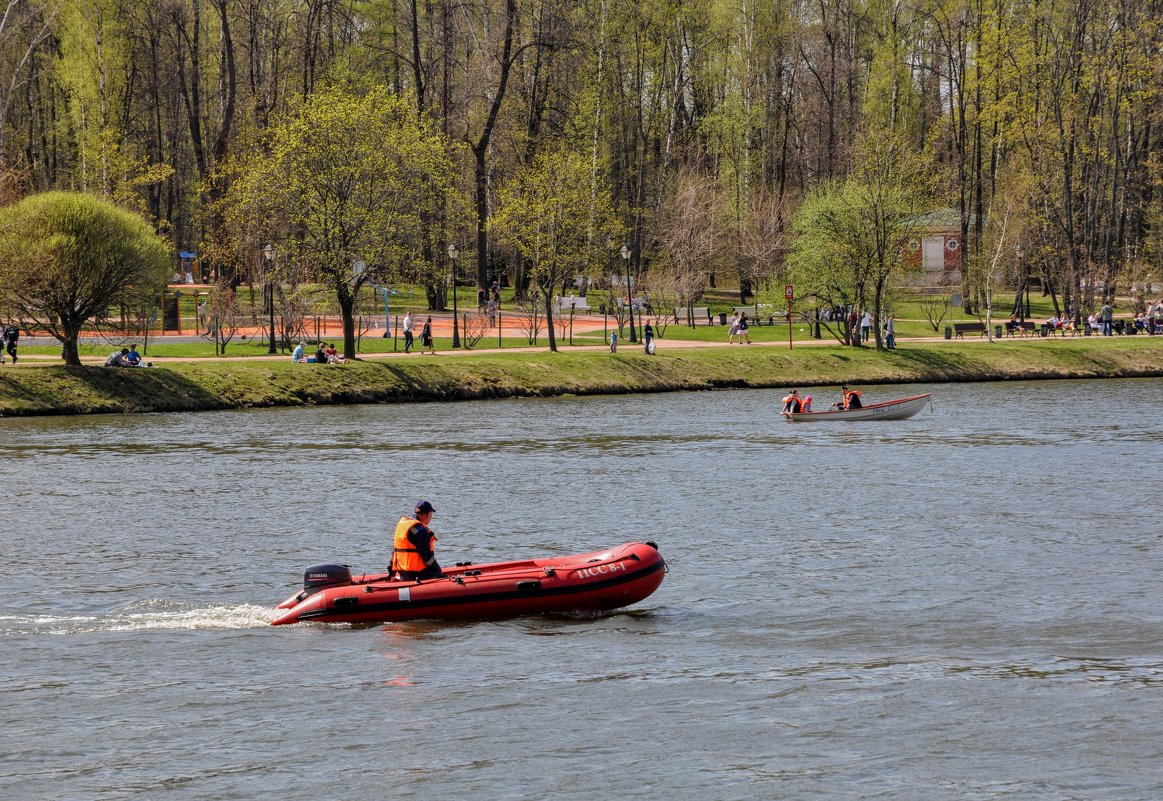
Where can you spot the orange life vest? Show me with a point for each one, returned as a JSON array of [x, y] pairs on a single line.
[[848, 397], [796, 406], [405, 557]]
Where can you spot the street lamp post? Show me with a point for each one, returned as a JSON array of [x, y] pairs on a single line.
[[625, 251], [1024, 312], [268, 253], [453, 252]]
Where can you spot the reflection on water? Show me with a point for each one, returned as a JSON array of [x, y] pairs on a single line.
[[958, 606]]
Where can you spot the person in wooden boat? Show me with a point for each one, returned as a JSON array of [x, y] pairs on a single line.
[[414, 547], [850, 399], [792, 403]]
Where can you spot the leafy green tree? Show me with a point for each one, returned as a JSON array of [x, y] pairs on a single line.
[[555, 217], [348, 190], [66, 258], [850, 236]]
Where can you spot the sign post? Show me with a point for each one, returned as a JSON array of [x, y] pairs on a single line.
[[789, 293]]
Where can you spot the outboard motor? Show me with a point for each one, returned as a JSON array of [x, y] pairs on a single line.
[[321, 576]]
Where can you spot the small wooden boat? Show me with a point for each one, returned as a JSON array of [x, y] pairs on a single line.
[[587, 582], [897, 409]]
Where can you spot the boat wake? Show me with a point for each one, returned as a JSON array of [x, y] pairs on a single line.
[[149, 615]]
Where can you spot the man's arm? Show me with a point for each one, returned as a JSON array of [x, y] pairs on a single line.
[[421, 539]]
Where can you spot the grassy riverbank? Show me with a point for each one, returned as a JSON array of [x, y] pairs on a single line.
[[191, 386]]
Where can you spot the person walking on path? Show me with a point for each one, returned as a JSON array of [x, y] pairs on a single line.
[[11, 337], [613, 342], [890, 332], [1107, 314], [414, 547], [733, 330], [648, 339], [426, 337], [865, 326], [408, 340], [743, 335]]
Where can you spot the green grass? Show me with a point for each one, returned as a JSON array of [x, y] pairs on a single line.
[[219, 384]]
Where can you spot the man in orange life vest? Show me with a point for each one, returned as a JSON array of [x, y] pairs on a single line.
[[851, 398], [413, 547], [792, 403]]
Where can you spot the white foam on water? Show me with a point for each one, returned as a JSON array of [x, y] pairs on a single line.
[[148, 615]]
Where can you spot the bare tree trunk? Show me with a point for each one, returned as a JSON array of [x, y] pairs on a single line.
[[480, 148]]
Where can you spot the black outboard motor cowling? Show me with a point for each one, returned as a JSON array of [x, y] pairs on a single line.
[[320, 576]]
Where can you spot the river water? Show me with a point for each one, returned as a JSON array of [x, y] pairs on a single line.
[[964, 605]]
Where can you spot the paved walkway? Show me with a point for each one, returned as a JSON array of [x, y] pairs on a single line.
[[442, 328]]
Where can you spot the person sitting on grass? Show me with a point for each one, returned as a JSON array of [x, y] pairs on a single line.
[[299, 354], [133, 358], [118, 358], [320, 354]]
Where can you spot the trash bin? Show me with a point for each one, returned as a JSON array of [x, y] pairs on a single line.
[[1045, 330], [722, 318], [948, 332], [997, 332]]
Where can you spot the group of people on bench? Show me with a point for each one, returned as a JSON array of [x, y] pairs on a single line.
[[1055, 323]]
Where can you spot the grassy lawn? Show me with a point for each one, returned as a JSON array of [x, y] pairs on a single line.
[[911, 322], [218, 384]]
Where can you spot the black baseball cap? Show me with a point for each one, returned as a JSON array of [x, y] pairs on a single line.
[[424, 507]]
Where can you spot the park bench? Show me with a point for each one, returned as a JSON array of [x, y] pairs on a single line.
[[697, 313], [756, 315], [961, 329], [1028, 328], [576, 303]]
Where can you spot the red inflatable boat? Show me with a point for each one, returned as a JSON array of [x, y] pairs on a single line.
[[588, 582]]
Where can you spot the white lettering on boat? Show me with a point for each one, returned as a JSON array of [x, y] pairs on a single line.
[[601, 570]]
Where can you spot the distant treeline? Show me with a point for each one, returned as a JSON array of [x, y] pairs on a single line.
[[716, 115]]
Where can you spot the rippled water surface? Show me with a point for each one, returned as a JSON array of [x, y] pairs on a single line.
[[965, 605]]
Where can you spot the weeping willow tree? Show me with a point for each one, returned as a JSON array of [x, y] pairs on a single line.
[[66, 258]]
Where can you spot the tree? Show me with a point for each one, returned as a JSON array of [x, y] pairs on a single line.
[[690, 233], [349, 179], [850, 236], [66, 258], [552, 216]]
